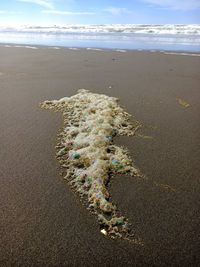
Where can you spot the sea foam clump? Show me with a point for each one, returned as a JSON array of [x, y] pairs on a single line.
[[88, 155]]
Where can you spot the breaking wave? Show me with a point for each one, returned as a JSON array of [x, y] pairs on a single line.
[[191, 29]]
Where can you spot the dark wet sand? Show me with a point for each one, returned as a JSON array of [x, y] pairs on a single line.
[[42, 222]]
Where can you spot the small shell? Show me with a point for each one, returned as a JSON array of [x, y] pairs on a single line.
[[103, 231]]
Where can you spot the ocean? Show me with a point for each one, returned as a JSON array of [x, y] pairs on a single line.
[[109, 36]]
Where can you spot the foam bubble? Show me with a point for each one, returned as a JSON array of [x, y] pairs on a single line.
[[88, 155]]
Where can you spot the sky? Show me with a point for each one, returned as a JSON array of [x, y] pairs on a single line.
[[60, 12]]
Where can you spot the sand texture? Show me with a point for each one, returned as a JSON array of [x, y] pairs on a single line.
[[42, 222]]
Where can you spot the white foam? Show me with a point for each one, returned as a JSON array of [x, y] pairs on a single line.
[[94, 49], [24, 46], [31, 47], [91, 122], [121, 50], [19, 46], [182, 54], [73, 48], [191, 29]]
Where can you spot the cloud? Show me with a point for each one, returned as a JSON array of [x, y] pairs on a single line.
[[50, 8], [117, 10], [176, 4], [64, 13], [6, 12], [44, 3]]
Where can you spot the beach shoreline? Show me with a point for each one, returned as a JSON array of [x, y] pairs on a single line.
[[125, 36], [42, 221], [101, 49]]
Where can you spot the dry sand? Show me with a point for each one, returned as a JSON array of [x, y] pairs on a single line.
[[42, 222]]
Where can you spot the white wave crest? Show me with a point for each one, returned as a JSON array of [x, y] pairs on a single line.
[[191, 29]]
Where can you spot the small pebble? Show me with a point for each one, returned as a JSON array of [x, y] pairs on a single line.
[[76, 156], [103, 231]]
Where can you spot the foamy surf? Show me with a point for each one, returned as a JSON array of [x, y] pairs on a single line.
[[87, 153], [23, 46], [73, 48], [172, 29], [94, 49], [90, 159], [31, 47], [121, 50], [182, 54]]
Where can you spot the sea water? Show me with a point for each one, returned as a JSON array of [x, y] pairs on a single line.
[[126, 36]]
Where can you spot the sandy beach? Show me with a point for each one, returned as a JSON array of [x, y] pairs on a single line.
[[42, 221]]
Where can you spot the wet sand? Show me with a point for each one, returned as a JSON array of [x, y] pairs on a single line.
[[42, 222]]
